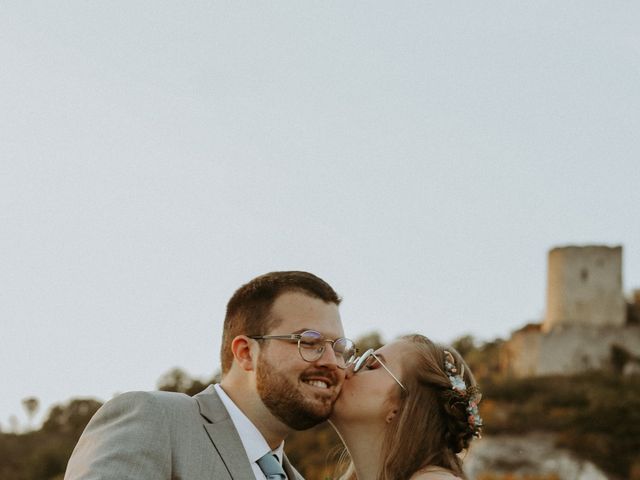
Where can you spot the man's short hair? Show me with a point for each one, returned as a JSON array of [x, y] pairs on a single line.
[[248, 310]]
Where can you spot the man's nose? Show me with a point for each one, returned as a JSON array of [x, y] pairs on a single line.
[[328, 358]]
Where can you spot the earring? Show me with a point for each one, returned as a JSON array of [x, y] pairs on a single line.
[[391, 415]]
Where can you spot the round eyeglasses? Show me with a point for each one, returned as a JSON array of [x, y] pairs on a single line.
[[312, 344], [368, 360]]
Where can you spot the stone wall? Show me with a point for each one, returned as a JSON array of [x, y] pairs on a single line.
[[520, 354], [566, 350]]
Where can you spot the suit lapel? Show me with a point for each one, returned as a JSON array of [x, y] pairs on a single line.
[[292, 473], [223, 434]]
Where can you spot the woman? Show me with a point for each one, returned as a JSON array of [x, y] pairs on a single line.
[[406, 411]]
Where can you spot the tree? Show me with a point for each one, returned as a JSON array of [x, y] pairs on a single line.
[[14, 425], [31, 405], [370, 340], [177, 380], [71, 419], [619, 357], [464, 344]]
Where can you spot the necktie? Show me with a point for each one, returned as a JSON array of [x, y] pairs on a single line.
[[271, 467]]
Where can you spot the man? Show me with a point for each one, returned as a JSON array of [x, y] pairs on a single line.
[[283, 358]]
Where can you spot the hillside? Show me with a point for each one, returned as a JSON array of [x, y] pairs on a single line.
[[596, 415]]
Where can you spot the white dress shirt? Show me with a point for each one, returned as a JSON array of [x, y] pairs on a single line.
[[252, 440]]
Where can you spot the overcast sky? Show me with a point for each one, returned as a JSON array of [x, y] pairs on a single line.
[[422, 157]]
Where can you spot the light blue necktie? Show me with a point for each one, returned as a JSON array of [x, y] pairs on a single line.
[[271, 467]]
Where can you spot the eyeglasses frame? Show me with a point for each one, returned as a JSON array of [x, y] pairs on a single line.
[[298, 337], [360, 361]]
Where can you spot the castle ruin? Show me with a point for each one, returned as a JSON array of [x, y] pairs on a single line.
[[586, 316]]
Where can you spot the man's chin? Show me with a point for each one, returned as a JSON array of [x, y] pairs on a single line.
[[321, 410], [305, 420]]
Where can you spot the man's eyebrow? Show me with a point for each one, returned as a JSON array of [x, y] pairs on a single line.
[[300, 330], [307, 329]]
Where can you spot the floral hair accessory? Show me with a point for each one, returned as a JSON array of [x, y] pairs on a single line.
[[475, 420], [458, 384]]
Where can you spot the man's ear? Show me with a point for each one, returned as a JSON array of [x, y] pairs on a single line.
[[243, 352]]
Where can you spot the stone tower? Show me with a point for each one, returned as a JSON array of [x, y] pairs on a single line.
[[584, 287]]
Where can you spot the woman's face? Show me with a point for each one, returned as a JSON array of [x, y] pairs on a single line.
[[372, 394]]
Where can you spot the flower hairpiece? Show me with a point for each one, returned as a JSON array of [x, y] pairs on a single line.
[[458, 384], [475, 420]]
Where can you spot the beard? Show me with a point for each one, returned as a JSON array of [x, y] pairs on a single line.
[[286, 402]]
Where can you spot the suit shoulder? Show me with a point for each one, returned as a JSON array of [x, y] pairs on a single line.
[[141, 404], [152, 397], [124, 436]]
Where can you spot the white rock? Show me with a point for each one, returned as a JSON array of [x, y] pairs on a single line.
[[533, 453]]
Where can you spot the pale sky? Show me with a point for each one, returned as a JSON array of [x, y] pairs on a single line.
[[422, 157]]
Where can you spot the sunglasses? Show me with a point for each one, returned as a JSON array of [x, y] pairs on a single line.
[[311, 346], [368, 360]]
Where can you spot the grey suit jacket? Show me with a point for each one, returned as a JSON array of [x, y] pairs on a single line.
[[163, 435]]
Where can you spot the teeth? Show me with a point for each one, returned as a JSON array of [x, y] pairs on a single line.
[[318, 383]]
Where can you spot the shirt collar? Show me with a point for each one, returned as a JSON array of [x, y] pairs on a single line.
[[252, 440]]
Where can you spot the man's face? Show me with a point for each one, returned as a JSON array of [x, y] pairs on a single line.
[[300, 393]]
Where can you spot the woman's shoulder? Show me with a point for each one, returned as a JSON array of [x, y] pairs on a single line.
[[433, 474]]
